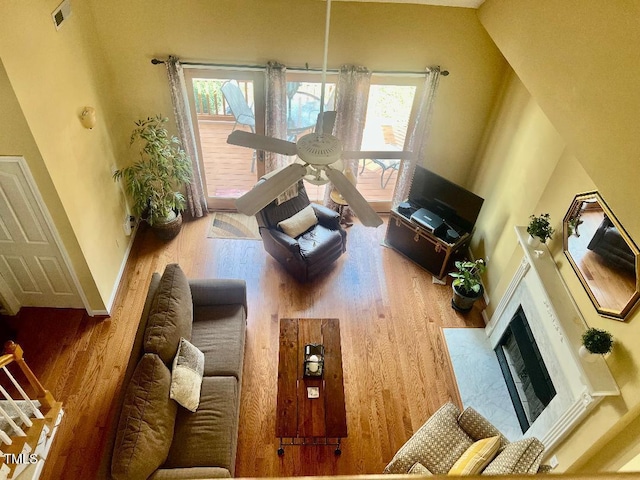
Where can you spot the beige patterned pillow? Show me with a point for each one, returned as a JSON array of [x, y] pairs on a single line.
[[478, 427], [477, 457], [436, 445], [521, 457], [186, 375], [419, 469]]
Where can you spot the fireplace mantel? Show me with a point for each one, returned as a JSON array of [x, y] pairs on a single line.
[[557, 326]]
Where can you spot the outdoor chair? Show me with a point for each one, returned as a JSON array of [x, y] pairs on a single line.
[[240, 109]]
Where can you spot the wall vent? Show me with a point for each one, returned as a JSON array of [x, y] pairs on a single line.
[[61, 13]]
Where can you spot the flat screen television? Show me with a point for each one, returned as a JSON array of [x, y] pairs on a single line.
[[456, 205]]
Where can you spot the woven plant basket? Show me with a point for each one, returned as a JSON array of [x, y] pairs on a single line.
[[169, 230]]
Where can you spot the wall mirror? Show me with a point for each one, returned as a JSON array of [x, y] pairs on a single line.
[[603, 255]]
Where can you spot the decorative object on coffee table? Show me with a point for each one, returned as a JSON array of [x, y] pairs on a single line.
[[313, 360]]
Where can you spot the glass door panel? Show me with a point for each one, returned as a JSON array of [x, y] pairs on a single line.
[[388, 113], [221, 102]]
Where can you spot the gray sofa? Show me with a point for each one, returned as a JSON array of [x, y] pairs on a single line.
[[150, 435]]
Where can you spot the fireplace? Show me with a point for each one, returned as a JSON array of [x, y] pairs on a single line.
[[537, 326], [525, 373]]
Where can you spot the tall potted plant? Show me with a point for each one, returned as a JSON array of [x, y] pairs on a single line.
[[467, 286], [540, 228], [154, 181]]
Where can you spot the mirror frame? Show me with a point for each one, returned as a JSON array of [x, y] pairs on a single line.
[[571, 213]]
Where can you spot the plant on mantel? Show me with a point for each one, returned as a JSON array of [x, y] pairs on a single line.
[[597, 341], [540, 227]]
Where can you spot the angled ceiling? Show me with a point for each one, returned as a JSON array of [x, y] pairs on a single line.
[[444, 3]]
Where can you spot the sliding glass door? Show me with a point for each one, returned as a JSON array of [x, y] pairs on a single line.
[[223, 101]]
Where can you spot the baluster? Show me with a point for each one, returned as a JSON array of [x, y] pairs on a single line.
[[36, 411], [12, 424]]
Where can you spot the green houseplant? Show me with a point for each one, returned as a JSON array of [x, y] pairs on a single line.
[[540, 227], [467, 285], [154, 180], [597, 341]]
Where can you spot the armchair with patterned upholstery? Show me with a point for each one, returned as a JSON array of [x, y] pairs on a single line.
[[305, 253], [466, 443]]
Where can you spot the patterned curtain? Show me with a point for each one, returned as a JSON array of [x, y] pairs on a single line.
[[194, 191], [416, 141], [276, 121], [352, 95]]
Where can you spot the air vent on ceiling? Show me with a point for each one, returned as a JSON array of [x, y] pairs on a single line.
[[61, 13]]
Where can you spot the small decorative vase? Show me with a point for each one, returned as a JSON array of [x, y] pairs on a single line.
[[586, 354], [533, 241]]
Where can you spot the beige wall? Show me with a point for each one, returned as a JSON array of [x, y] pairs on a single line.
[[16, 140], [578, 61], [379, 36], [54, 75]]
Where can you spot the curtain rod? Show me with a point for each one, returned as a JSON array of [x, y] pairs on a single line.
[[306, 68]]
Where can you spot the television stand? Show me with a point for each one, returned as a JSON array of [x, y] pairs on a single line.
[[421, 246]]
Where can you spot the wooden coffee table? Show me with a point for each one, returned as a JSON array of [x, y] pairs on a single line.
[[310, 421]]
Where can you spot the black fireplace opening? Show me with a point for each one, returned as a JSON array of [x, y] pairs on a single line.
[[524, 371]]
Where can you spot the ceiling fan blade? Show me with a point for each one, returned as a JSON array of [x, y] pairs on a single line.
[[380, 155], [328, 121], [264, 193], [357, 202], [261, 142]]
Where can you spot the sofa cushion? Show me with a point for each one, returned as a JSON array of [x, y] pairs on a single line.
[[219, 332], [170, 316], [300, 222], [521, 457], [436, 445], [476, 457], [478, 427], [146, 421], [208, 437], [191, 473], [419, 469], [186, 375]]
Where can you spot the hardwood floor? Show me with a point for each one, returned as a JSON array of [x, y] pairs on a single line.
[[396, 367]]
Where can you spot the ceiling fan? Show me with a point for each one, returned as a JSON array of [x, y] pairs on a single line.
[[319, 155]]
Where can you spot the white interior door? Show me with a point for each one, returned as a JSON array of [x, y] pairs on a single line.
[[32, 264]]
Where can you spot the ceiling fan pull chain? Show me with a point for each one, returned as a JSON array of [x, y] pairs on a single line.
[[324, 65]]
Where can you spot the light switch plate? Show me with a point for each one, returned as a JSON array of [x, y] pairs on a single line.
[[313, 392]]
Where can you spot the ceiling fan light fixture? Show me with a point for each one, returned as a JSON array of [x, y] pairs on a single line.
[[319, 149]]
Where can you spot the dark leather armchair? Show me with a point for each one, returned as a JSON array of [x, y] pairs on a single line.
[[612, 247], [310, 253]]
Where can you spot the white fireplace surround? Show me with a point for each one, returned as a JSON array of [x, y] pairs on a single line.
[[557, 325]]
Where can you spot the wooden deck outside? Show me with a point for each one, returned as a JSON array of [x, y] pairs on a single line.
[[227, 168]]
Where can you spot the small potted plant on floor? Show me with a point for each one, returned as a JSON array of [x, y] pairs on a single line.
[[596, 341], [467, 285], [153, 182], [540, 228]]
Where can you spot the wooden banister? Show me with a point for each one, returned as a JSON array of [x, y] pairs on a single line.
[[44, 396]]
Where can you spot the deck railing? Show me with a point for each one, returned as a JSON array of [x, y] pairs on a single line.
[[209, 100], [27, 424]]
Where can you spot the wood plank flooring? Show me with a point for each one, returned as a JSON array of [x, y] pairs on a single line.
[[396, 367]]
